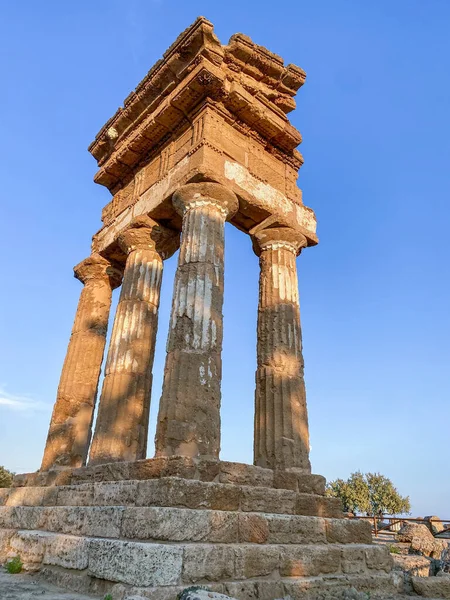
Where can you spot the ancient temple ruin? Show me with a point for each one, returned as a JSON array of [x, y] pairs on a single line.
[[203, 139]]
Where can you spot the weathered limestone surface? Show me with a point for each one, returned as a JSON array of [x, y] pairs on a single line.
[[166, 564], [28, 587], [421, 540], [281, 423], [70, 427], [189, 412], [154, 537], [122, 423], [432, 587], [181, 524], [208, 470]]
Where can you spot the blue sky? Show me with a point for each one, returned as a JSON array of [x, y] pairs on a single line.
[[374, 115]]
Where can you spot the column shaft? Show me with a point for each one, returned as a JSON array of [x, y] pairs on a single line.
[[71, 423], [189, 412], [121, 433], [281, 422], [122, 423]]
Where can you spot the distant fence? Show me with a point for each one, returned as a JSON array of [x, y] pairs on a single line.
[[394, 524]]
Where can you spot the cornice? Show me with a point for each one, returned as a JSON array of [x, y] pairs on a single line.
[[251, 83]]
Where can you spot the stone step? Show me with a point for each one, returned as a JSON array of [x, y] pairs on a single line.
[[304, 588], [162, 564], [178, 466], [432, 587], [185, 525], [176, 492]]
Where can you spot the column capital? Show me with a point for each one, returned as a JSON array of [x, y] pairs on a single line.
[[207, 194], [146, 234], [273, 238], [95, 267]]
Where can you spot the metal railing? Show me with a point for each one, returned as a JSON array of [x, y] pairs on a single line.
[[394, 524]]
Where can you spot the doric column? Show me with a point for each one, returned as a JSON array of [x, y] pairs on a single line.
[[122, 423], [70, 426], [281, 420], [189, 411]]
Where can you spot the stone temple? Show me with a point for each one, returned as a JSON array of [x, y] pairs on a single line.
[[203, 139]]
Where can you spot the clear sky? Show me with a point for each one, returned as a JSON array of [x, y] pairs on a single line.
[[374, 114]]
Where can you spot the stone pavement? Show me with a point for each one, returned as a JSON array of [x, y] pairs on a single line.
[[28, 587]]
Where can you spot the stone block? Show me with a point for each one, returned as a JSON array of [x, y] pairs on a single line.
[[103, 521], [4, 493], [187, 494], [83, 475], [179, 466], [76, 495], [309, 561], [334, 586], [378, 558], [172, 492], [431, 587], [256, 561], [267, 590], [21, 479], [135, 563], [63, 477], [23, 496], [117, 471], [410, 564], [312, 484], [30, 517], [147, 469], [95, 521], [208, 562], [31, 546], [299, 482], [7, 517], [223, 497], [5, 543], [49, 496], [242, 590], [208, 469], [75, 580], [68, 551], [267, 500], [241, 474], [253, 528], [319, 506], [66, 519], [348, 531], [41, 479], [178, 525], [293, 529], [115, 493], [172, 466], [285, 480], [352, 560]]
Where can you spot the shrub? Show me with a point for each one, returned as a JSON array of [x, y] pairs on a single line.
[[6, 477], [14, 565]]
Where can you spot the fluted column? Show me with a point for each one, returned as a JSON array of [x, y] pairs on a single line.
[[122, 423], [70, 426], [189, 411], [281, 421]]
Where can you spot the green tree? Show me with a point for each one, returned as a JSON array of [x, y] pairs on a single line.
[[6, 477], [370, 494]]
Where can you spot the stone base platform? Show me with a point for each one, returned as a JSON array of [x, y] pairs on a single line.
[[154, 527]]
